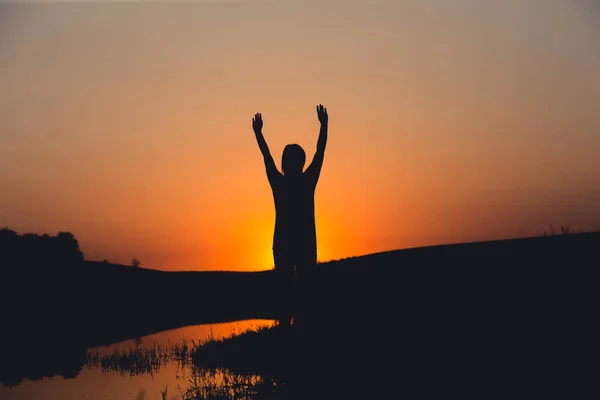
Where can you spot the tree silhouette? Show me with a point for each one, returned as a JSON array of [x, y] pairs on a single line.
[[39, 251]]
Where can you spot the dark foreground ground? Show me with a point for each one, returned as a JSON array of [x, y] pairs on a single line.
[[512, 318]]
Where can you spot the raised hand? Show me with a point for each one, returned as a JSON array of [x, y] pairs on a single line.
[[257, 122], [322, 114]]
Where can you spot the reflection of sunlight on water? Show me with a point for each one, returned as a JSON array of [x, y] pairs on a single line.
[[220, 383], [156, 367], [197, 333], [168, 354]]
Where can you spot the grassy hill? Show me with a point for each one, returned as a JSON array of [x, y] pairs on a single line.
[[510, 319], [510, 310]]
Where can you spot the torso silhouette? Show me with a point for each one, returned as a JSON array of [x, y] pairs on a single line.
[[295, 230], [295, 238]]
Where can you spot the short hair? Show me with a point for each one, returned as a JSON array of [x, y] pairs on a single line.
[[293, 159]]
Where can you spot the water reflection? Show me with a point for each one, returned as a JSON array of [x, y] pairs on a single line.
[[221, 383], [139, 361], [191, 380], [154, 366]]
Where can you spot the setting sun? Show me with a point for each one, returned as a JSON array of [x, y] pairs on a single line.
[[435, 136], [296, 199]]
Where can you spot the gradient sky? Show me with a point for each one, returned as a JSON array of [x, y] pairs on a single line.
[[129, 123]]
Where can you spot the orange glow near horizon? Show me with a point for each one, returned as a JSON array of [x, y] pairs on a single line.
[[129, 125]]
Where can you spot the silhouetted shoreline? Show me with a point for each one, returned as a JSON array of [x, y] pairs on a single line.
[[496, 313]]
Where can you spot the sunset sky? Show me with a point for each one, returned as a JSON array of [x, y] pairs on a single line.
[[129, 123]]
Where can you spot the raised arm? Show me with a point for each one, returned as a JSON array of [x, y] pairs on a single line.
[[314, 169], [257, 124]]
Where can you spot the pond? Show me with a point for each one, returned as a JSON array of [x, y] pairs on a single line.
[[156, 366]]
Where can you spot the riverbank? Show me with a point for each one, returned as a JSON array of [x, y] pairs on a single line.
[[457, 318], [509, 318]]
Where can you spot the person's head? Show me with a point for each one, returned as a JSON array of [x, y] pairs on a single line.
[[292, 161]]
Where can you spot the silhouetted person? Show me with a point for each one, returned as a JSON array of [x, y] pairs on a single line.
[[295, 239]]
